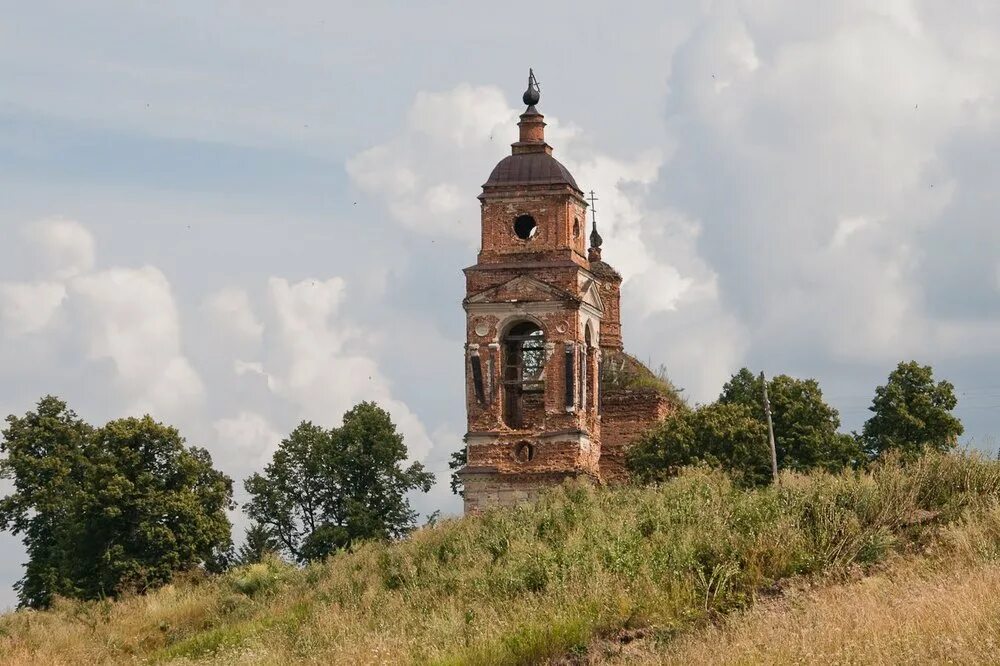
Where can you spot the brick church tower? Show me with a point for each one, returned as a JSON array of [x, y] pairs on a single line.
[[536, 316]]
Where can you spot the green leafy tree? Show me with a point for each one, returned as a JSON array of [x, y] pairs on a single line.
[[805, 427], [912, 413], [154, 506], [728, 436], [325, 489], [102, 511], [458, 460], [259, 541], [45, 458]]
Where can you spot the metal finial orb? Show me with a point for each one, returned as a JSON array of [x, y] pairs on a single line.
[[531, 95]]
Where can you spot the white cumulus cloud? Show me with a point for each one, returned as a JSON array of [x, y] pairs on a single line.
[[29, 307], [247, 438], [131, 319], [819, 173], [231, 311], [319, 362], [67, 248], [429, 174]]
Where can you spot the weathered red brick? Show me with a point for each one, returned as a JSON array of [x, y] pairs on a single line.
[[549, 279]]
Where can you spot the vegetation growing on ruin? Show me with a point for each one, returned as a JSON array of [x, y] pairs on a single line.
[[575, 572], [623, 372]]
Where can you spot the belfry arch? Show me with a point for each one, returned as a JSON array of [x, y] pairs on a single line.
[[522, 351]]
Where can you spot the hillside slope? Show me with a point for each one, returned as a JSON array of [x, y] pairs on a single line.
[[555, 580], [941, 605], [909, 614]]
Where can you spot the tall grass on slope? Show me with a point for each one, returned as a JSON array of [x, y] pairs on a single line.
[[942, 607], [524, 585]]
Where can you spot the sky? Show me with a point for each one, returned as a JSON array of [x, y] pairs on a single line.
[[238, 215]]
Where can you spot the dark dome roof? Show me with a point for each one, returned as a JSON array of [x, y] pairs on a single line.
[[531, 169]]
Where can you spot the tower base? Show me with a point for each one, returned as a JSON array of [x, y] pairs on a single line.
[[485, 488]]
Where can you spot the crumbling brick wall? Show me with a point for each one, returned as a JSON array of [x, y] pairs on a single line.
[[626, 415]]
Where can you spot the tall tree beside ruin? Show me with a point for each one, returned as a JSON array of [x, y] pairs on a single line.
[[102, 511], [456, 462], [805, 426], [912, 413], [326, 489]]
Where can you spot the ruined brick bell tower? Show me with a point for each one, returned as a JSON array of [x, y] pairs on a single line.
[[534, 321]]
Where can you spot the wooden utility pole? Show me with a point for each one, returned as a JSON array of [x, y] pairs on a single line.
[[770, 431]]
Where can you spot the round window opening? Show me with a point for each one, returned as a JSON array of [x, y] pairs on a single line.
[[524, 452], [525, 227]]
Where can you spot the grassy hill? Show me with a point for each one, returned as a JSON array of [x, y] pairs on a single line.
[[691, 571], [941, 609]]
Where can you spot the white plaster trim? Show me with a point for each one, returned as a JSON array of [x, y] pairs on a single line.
[[591, 310]]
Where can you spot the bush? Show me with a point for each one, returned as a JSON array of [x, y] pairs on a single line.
[[728, 436], [260, 578]]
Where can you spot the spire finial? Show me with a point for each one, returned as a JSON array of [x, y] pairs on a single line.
[[533, 93], [595, 238]]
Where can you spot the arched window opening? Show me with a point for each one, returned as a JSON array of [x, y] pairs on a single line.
[[525, 227], [576, 228], [524, 366]]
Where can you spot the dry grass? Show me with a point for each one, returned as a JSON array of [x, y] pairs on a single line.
[[546, 581], [942, 606], [906, 616]]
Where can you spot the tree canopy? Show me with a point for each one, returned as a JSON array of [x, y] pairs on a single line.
[[805, 426], [102, 511], [732, 433], [325, 489], [721, 435], [911, 413]]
